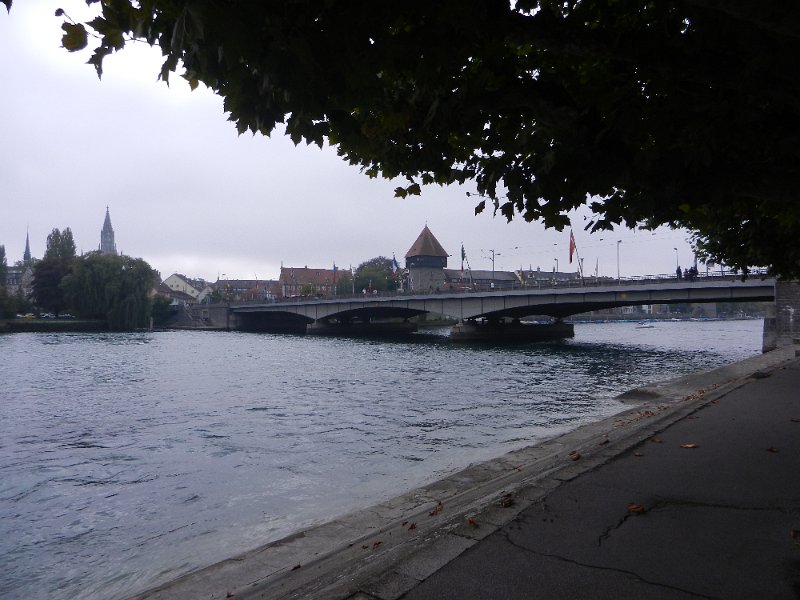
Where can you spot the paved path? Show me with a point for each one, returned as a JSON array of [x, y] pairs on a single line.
[[617, 509], [719, 520]]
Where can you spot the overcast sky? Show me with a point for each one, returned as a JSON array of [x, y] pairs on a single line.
[[189, 195]]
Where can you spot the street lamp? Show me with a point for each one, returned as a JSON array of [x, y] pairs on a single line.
[[556, 265], [618, 243], [677, 264], [492, 259]]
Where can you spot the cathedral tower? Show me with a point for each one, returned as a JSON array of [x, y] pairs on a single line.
[[107, 245]]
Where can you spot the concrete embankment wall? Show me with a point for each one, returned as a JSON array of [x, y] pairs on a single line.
[[217, 317], [782, 322]]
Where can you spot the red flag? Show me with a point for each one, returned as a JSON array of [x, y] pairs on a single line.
[[572, 246]]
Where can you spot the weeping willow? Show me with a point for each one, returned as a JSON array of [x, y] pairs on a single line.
[[116, 288]]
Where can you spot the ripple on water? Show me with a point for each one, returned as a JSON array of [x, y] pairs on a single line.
[[127, 459]]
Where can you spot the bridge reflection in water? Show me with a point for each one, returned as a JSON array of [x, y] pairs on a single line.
[[495, 314]]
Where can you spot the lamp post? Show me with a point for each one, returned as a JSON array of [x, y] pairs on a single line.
[[556, 265], [492, 259], [618, 243], [677, 263]]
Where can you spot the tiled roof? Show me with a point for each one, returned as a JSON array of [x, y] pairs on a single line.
[[426, 245], [304, 275]]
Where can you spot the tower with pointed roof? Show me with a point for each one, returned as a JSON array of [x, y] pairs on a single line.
[[26, 257], [107, 245], [426, 261]]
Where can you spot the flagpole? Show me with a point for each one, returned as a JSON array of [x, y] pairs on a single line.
[[574, 245]]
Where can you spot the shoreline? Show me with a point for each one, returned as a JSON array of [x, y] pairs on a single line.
[[326, 560]]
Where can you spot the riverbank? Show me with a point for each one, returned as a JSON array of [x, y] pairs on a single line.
[[415, 545], [51, 325]]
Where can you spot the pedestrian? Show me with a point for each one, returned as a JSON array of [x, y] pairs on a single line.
[[679, 273]]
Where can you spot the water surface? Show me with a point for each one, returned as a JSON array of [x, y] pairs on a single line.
[[128, 459]]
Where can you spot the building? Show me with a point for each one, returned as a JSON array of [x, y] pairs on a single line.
[[295, 281], [247, 290], [197, 289], [425, 264], [480, 280], [19, 279], [177, 297], [107, 244], [537, 277], [26, 258]]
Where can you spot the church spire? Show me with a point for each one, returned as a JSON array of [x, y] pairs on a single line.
[[107, 245], [26, 258]]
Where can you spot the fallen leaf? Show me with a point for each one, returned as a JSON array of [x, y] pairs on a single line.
[[656, 440], [472, 522], [412, 526], [574, 455], [230, 595], [507, 500], [689, 446], [794, 420], [638, 454], [376, 545], [692, 417], [365, 547], [604, 442], [635, 508], [294, 568], [437, 509], [773, 449]]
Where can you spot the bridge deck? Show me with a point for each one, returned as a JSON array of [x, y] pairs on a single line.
[[556, 301]]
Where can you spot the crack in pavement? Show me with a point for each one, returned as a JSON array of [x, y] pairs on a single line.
[[612, 569], [661, 504]]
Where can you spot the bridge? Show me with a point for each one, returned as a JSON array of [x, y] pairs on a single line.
[[557, 301]]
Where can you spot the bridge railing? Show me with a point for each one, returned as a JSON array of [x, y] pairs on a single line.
[[538, 284]]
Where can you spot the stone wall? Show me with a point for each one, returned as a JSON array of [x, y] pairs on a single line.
[[426, 280], [782, 322]]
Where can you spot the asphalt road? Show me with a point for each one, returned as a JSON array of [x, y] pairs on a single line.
[[707, 508]]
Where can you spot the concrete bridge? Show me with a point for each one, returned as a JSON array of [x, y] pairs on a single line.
[[370, 314]]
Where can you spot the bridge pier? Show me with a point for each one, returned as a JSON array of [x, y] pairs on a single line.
[[361, 328], [782, 321], [514, 331]]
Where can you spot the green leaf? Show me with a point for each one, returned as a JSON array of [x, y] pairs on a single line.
[[74, 37], [97, 59]]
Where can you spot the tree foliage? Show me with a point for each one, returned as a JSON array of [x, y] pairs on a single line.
[[8, 304], [60, 244], [376, 274], [344, 282], [111, 287], [48, 272], [676, 112]]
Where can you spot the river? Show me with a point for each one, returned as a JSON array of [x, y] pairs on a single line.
[[129, 459]]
